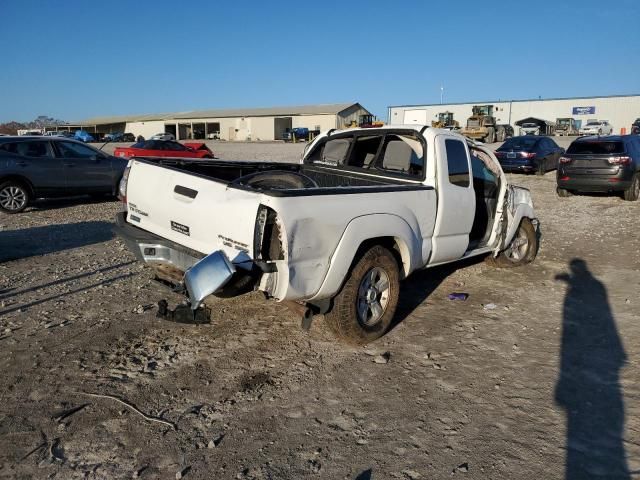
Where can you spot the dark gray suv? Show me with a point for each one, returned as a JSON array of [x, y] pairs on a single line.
[[45, 167], [601, 164]]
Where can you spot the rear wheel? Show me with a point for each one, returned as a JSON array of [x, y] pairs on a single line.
[[522, 249], [363, 310], [632, 193], [501, 134], [563, 192], [14, 197]]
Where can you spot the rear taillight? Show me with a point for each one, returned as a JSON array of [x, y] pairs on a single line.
[[122, 188], [622, 160], [564, 160], [527, 154]]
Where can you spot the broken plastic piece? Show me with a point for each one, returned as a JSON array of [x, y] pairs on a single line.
[[207, 276], [458, 296]]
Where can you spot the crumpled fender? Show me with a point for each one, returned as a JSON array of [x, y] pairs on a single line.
[[358, 231]]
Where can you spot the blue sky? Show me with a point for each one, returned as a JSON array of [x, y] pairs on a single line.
[[73, 60]]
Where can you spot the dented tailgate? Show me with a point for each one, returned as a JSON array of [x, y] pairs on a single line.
[[191, 210]]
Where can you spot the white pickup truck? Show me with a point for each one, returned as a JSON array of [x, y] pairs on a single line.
[[334, 233]]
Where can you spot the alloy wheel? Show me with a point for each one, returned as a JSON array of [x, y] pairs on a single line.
[[13, 198], [373, 296]]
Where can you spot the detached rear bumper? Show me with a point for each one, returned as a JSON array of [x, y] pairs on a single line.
[[170, 260]]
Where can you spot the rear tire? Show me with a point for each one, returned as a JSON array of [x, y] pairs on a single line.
[[14, 196], [563, 192], [364, 308], [501, 134], [632, 193], [522, 250]]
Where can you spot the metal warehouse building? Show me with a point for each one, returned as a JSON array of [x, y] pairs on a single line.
[[619, 110], [235, 124]]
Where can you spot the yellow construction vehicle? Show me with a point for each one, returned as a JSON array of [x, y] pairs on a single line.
[[445, 120], [369, 121]]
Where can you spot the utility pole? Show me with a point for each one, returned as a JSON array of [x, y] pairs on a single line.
[[441, 93]]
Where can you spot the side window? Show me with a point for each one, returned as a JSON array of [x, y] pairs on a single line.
[[364, 151], [175, 146], [481, 172], [402, 154], [457, 163], [75, 150], [32, 149], [8, 147]]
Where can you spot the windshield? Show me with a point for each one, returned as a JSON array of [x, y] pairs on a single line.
[[596, 148], [563, 121], [518, 143], [529, 125], [593, 124]]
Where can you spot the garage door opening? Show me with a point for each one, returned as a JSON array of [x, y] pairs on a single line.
[[184, 131], [198, 131], [212, 129], [170, 128], [281, 125]]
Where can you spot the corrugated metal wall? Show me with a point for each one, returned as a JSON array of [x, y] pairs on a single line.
[[620, 111]]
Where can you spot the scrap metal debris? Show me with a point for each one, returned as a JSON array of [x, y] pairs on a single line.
[[184, 314]]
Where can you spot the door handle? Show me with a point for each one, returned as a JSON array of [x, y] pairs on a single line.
[[187, 192], [22, 164], [69, 164]]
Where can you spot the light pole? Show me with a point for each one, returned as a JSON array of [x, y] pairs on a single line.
[[441, 93]]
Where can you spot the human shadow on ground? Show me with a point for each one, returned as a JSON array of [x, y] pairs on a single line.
[[28, 242], [588, 388]]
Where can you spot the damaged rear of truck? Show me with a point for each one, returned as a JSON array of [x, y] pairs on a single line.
[[333, 234]]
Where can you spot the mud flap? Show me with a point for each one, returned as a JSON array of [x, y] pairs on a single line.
[[207, 276]]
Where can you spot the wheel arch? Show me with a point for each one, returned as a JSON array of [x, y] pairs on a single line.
[[362, 233], [21, 179]]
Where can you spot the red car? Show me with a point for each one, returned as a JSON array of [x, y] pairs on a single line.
[[163, 148]]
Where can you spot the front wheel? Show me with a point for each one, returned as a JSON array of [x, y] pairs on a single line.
[[522, 249], [14, 197], [363, 310], [491, 136], [632, 193]]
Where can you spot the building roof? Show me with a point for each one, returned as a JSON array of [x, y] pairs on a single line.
[[489, 102], [328, 109]]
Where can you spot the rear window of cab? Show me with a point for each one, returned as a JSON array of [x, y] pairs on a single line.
[[393, 152]]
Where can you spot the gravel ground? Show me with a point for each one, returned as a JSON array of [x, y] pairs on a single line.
[[534, 376]]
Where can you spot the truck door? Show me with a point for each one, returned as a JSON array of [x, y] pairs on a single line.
[[456, 200]]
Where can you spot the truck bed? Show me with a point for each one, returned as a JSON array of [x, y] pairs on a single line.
[[325, 177]]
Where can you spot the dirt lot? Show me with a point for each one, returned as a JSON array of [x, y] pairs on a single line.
[[537, 360]]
